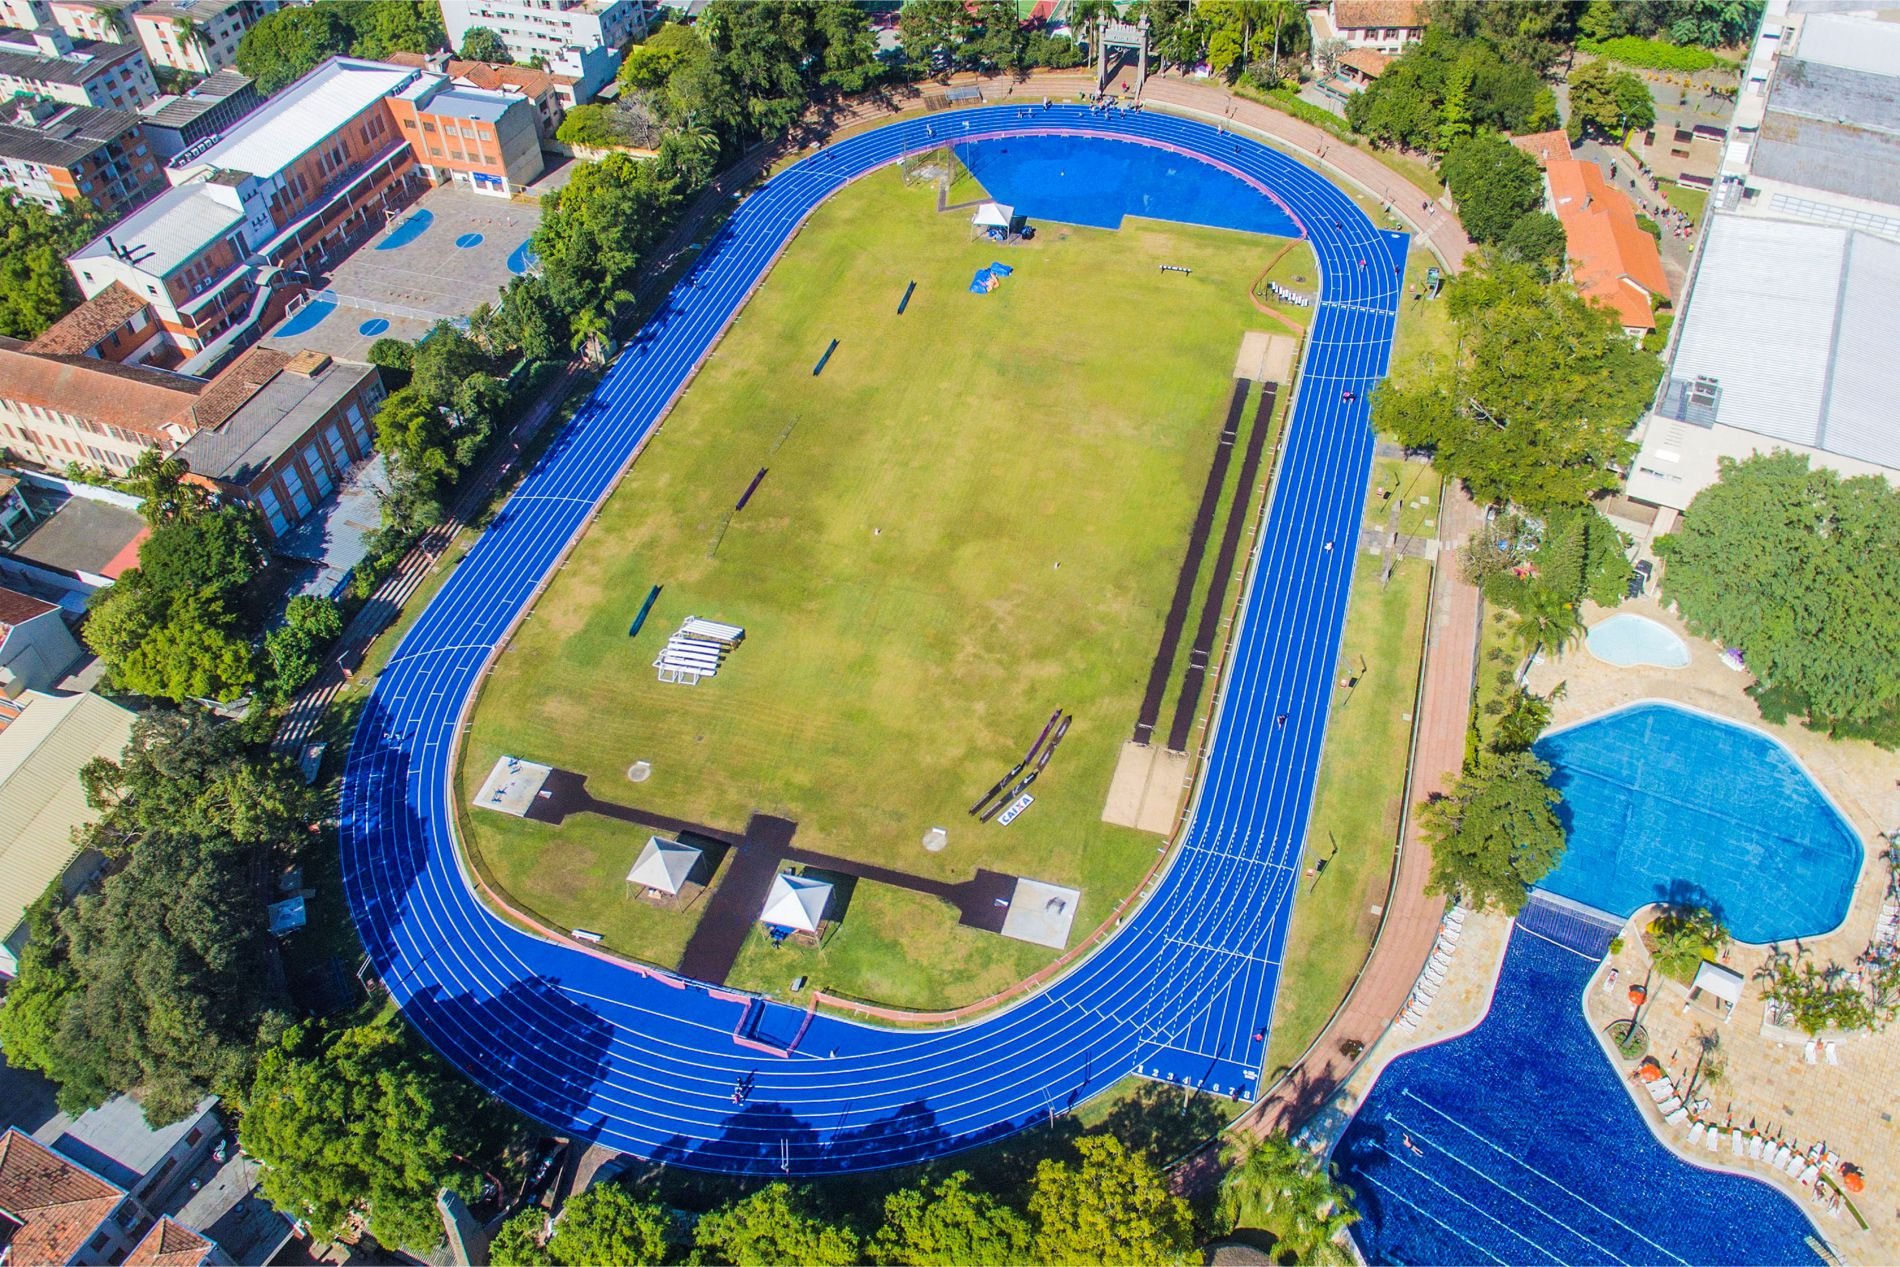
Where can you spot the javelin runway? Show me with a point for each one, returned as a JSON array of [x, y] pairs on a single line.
[[647, 1064]]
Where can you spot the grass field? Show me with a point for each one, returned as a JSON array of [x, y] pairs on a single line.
[[974, 515]]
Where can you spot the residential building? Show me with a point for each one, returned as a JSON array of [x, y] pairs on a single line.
[[1785, 342], [1613, 259], [1816, 131], [1384, 26], [44, 740], [56, 1211], [547, 91], [65, 541], [199, 36], [296, 185], [36, 648], [115, 1142], [49, 63], [51, 153], [172, 1244], [303, 426], [488, 141], [107, 21], [173, 124], [114, 325], [579, 41], [56, 410]]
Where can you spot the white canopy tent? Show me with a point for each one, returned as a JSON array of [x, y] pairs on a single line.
[[663, 865], [1723, 983], [796, 902], [993, 215]]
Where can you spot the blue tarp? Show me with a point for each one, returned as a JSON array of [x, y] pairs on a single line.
[[985, 281], [1001, 270]]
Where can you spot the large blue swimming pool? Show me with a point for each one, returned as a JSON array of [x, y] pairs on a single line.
[[1050, 178], [1664, 804], [1529, 1150]]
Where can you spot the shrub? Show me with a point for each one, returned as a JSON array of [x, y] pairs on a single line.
[[1646, 54]]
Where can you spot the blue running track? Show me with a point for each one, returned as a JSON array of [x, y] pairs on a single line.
[[647, 1063]]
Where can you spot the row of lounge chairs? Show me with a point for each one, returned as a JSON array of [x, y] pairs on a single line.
[[1804, 1166], [1425, 989]]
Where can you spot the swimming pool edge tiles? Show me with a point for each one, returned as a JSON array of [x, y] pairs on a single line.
[[1833, 804]]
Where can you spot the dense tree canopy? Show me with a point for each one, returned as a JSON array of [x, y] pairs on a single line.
[[1609, 102], [776, 1224], [364, 1122], [282, 47], [480, 44], [1536, 410], [950, 1225], [1800, 569], [1495, 833], [35, 287], [1275, 1187], [1530, 33], [1538, 239], [158, 982], [1496, 185], [1446, 87], [1706, 23], [1109, 1206]]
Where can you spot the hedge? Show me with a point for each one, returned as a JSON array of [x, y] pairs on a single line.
[[1646, 54]]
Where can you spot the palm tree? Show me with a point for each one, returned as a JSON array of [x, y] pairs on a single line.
[[1276, 1187], [593, 332], [185, 31], [1093, 14]]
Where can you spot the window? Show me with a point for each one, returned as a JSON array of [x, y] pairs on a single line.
[[97, 1243]]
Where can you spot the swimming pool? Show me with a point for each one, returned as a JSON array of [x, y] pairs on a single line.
[[1529, 1150], [1629, 640], [1665, 804], [1048, 178]]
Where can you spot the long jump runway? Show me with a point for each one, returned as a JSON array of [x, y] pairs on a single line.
[[647, 1063]]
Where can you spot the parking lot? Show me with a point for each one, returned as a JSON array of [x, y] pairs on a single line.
[[440, 259]]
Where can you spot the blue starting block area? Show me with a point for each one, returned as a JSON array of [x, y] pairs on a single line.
[[988, 279]]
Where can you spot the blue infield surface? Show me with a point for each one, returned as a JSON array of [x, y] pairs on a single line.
[[645, 1062], [411, 227]]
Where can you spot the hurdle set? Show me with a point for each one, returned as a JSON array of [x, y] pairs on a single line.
[[697, 650]]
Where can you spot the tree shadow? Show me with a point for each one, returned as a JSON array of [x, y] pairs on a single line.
[[1163, 1124], [1689, 895]]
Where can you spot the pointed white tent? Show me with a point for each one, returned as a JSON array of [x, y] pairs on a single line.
[[796, 902], [663, 865], [993, 215]]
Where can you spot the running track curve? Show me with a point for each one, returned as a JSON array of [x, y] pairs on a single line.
[[646, 1063]]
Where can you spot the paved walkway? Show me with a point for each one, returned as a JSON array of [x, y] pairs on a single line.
[[1411, 918]]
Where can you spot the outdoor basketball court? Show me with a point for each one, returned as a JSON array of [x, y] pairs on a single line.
[[443, 256]]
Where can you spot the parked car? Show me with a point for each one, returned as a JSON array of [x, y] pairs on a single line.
[[1639, 577]]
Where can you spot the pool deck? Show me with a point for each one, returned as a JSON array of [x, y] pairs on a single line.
[[1853, 1105]]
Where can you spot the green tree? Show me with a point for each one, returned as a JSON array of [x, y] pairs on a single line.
[[1538, 239], [1608, 102], [363, 1122], [1496, 184], [1454, 114], [597, 230], [1111, 1206], [282, 47], [1406, 105], [608, 1224], [950, 1225], [1275, 1187], [310, 625], [164, 492], [36, 289], [934, 28], [1495, 833], [381, 27], [480, 44], [652, 63], [521, 1240], [1682, 937], [1800, 568], [774, 1225], [158, 980], [1537, 407]]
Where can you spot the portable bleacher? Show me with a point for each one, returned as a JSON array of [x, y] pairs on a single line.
[[697, 651]]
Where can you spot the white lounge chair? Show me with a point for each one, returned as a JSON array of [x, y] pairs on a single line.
[[1715, 1139], [1660, 1090], [1737, 1144], [1756, 1145], [1678, 1116], [1696, 1132], [1808, 1176], [1807, 1051], [1407, 1023], [1795, 1164], [1450, 933], [1425, 997], [1833, 1053], [1781, 1155], [1669, 1106], [1440, 958]]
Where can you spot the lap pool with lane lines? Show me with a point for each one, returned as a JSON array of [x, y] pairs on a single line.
[[645, 1062]]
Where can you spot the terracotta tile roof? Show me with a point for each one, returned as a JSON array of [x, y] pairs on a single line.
[[229, 390], [17, 608], [58, 1204], [1360, 15], [128, 396], [1544, 146], [495, 76], [1613, 259], [1369, 62], [170, 1244], [80, 331]]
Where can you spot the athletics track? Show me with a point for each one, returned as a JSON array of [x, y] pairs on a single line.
[[646, 1063]]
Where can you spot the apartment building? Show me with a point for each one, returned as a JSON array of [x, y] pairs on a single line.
[[52, 153], [49, 63], [545, 90], [107, 21], [200, 36], [296, 185], [579, 41], [175, 123]]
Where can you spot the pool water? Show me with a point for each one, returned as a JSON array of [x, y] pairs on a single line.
[[1632, 640], [1053, 178], [1665, 804], [1530, 1151]]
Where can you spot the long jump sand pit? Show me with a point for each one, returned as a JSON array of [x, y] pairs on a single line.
[[1265, 357], [1147, 788]]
